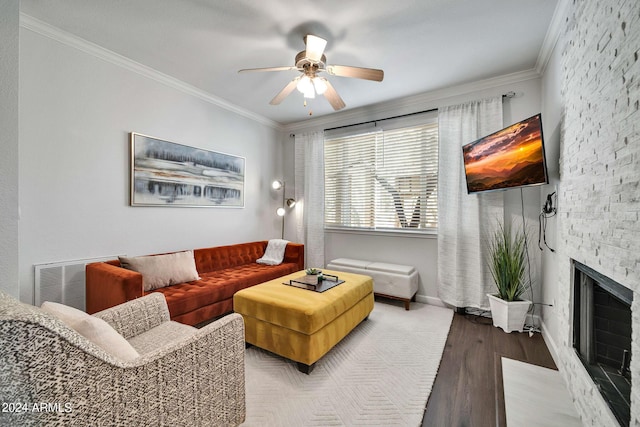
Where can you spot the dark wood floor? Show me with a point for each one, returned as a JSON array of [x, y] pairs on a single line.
[[468, 388]]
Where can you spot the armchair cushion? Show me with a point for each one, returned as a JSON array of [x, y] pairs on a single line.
[[160, 336], [94, 329], [159, 271]]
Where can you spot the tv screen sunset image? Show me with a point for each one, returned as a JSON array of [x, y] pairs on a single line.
[[512, 157]]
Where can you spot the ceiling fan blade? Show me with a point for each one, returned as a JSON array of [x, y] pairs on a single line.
[[285, 92], [249, 70], [332, 96], [355, 72], [315, 47]]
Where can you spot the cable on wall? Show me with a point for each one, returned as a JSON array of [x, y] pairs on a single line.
[[548, 210], [531, 328]]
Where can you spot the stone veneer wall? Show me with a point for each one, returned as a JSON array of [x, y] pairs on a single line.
[[599, 192]]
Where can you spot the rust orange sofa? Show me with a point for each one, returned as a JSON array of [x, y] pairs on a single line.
[[223, 271]]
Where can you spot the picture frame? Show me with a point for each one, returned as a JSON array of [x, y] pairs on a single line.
[[165, 173]]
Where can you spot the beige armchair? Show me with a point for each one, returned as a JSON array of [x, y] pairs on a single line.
[[52, 375]]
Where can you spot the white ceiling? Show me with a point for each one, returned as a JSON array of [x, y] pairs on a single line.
[[422, 45]]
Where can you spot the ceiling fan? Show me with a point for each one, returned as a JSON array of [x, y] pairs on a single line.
[[312, 61]]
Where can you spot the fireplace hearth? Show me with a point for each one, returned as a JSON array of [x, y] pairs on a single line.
[[602, 335]]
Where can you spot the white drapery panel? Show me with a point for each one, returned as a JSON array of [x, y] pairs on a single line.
[[465, 219], [309, 191]]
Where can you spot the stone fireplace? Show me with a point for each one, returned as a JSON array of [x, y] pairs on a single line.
[[598, 221], [602, 335]]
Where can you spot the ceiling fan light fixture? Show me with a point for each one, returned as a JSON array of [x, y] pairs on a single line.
[[306, 87], [304, 84], [312, 61], [320, 85]]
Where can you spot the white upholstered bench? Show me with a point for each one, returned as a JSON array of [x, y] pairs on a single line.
[[389, 280]]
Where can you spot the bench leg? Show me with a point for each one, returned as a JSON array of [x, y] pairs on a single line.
[[305, 369], [406, 301]]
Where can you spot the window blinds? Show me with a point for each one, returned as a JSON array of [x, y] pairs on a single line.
[[383, 179]]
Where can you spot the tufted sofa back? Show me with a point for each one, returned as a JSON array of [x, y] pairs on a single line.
[[222, 257]]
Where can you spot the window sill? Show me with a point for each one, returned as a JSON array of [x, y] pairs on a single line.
[[430, 234]]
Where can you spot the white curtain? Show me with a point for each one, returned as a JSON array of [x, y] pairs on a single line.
[[309, 186], [464, 219]]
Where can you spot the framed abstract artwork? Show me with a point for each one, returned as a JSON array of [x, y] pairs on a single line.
[[164, 173]]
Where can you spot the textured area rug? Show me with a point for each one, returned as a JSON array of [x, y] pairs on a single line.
[[380, 374]]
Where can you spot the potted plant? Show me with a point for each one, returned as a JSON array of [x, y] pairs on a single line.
[[507, 264], [314, 275]]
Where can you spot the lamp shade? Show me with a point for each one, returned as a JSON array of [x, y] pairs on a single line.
[[304, 84], [320, 85], [306, 87]]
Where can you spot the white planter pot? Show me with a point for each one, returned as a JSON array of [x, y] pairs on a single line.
[[508, 315]]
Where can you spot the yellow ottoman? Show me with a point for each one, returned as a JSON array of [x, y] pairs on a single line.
[[300, 324]]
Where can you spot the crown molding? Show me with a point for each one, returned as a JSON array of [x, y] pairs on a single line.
[[33, 24], [410, 104], [553, 35]]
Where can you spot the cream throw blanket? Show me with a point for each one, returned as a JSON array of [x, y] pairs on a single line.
[[274, 253]]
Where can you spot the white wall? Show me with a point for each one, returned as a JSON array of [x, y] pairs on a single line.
[[76, 113], [9, 140], [422, 252]]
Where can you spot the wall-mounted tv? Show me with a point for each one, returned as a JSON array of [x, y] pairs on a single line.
[[512, 157]]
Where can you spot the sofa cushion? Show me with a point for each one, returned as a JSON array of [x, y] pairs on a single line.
[[220, 285], [159, 271], [94, 329]]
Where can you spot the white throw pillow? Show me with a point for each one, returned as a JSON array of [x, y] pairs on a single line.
[[159, 271], [94, 329]]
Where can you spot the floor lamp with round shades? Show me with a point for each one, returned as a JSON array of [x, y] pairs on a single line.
[[289, 203]]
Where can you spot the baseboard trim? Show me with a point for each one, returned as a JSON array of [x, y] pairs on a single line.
[[551, 344], [425, 299]]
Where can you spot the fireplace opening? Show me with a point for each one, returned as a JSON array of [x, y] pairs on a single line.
[[602, 335]]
